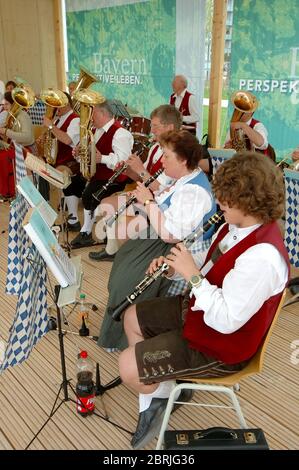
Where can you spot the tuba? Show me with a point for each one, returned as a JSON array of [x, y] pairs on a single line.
[[23, 97], [243, 102], [87, 99], [53, 99], [84, 81]]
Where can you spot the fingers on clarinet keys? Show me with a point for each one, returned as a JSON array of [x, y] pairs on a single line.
[[83, 239]]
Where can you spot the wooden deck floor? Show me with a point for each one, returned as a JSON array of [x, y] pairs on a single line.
[[27, 391]]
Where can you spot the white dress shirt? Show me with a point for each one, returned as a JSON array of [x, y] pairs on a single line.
[[188, 206], [259, 273], [73, 130], [122, 144], [193, 107]]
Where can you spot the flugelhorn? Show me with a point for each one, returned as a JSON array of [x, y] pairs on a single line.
[[87, 99], [150, 278], [131, 200]]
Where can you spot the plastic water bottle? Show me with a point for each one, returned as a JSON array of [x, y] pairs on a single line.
[[84, 330], [85, 388]]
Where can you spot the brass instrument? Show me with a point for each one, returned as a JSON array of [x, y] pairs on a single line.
[[23, 97], [53, 99], [87, 100], [284, 164], [85, 80], [243, 102], [150, 278]]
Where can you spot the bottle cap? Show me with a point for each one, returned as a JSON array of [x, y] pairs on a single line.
[[82, 296], [83, 354]]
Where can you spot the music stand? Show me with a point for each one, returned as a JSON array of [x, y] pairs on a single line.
[[119, 109]]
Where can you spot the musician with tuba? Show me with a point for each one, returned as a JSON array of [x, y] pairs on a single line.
[[246, 133], [18, 125], [113, 145]]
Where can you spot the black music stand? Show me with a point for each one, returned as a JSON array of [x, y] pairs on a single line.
[[119, 110], [66, 383]]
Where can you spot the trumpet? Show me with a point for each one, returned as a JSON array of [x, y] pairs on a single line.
[[150, 278], [98, 195], [131, 200]]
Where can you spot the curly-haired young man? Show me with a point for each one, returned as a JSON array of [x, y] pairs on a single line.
[[234, 294]]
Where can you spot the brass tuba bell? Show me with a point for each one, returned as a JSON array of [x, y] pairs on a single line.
[[87, 99], [23, 97], [243, 102], [53, 99], [85, 80]]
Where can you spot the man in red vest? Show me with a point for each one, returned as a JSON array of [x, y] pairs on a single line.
[[113, 145], [164, 118], [185, 102], [234, 294]]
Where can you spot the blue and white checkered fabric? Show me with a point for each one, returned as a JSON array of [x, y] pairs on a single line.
[[292, 216], [31, 321], [216, 162], [37, 113], [178, 287], [18, 243], [20, 163]]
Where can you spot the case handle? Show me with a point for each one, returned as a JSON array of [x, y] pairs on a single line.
[[216, 433]]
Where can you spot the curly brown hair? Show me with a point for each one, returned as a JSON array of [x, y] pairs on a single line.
[[251, 182], [185, 145]]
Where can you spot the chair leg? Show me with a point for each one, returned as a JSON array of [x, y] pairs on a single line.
[[168, 410]]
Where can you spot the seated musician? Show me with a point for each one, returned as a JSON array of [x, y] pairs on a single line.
[[234, 295], [247, 133], [19, 129], [185, 102], [164, 118], [295, 156], [172, 214], [113, 145], [66, 129]]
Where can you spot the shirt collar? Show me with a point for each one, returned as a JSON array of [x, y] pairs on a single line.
[[108, 124], [182, 94]]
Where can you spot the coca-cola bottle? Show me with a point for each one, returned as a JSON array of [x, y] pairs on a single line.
[[85, 388]]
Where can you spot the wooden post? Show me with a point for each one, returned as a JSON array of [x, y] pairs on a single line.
[[59, 45], [216, 77]]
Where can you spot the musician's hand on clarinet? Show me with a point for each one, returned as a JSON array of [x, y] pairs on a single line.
[[181, 260], [135, 163], [156, 263], [142, 193]]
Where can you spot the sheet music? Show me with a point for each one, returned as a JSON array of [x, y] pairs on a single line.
[[35, 199], [57, 178], [45, 241]]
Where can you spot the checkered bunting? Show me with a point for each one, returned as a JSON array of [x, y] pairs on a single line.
[[37, 113], [31, 321], [20, 162], [292, 216], [18, 242]]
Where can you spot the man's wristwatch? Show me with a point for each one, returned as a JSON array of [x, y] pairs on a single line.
[[148, 201], [195, 281], [142, 174]]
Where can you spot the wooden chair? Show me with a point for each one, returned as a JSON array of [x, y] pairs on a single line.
[[227, 385]]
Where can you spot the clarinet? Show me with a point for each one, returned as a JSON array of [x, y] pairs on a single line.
[[150, 278], [131, 200], [98, 195]]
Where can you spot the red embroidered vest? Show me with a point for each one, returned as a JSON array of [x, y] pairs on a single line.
[[184, 108], [64, 152], [104, 145], [152, 168], [243, 343]]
